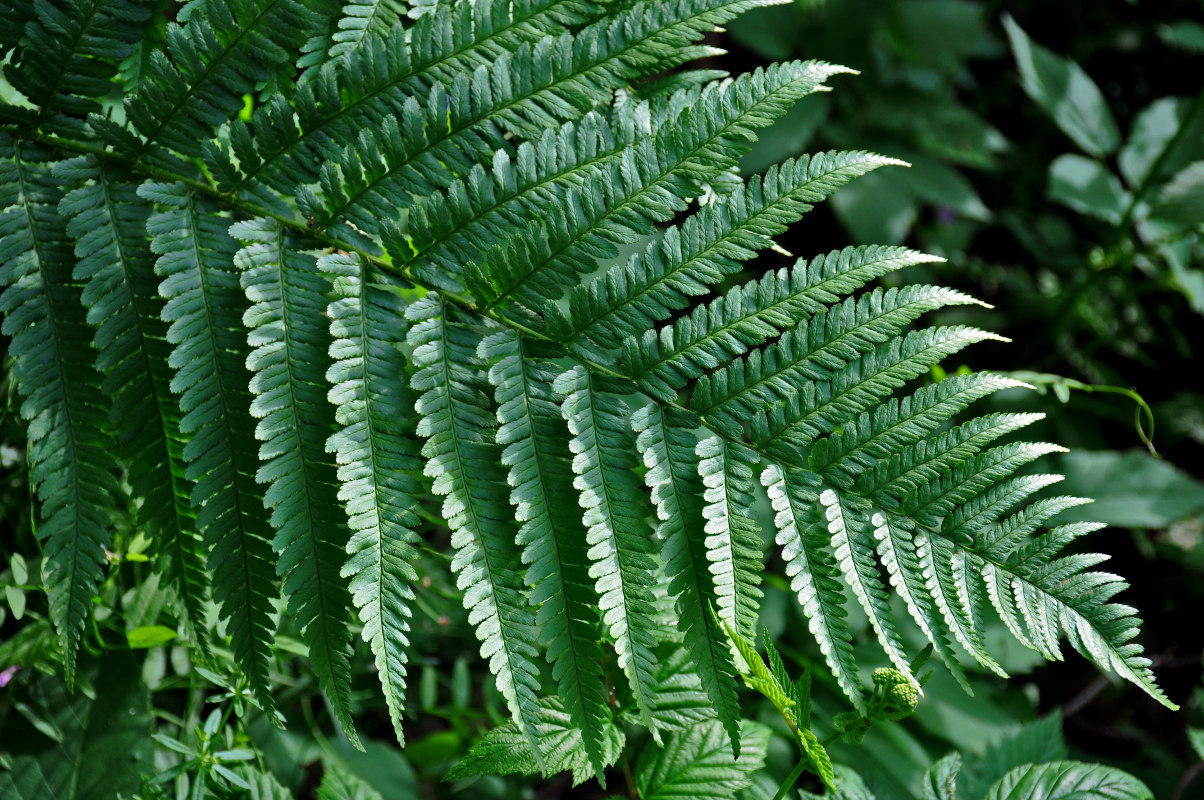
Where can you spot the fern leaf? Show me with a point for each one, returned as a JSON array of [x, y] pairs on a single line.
[[668, 446], [219, 56], [918, 463], [71, 456], [376, 455], [361, 20], [288, 365], [663, 361], [553, 539], [204, 309], [536, 86], [815, 350], [465, 463], [787, 429], [897, 550], [929, 503], [854, 545], [697, 764], [107, 220], [68, 59], [733, 539], [813, 572], [940, 560], [711, 245], [506, 751], [620, 543], [378, 79], [655, 175], [874, 435]]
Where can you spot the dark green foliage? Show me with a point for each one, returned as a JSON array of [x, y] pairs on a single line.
[[322, 264]]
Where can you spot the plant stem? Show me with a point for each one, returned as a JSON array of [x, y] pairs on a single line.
[[791, 779]]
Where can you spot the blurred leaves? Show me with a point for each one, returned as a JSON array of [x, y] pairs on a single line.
[[1132, 489], [1065, 92], [90, 745]]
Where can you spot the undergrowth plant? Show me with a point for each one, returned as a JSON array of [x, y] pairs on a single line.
[[276, 273]]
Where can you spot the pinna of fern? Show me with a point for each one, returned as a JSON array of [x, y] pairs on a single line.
[[397, 276]]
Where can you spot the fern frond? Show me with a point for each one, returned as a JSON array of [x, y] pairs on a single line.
[[814, 351], [506, 751], [667, 444], [733, 539], [620, 543], [466, 465], [376, 82], [553, 539], [68, 59], [204, 310], [927, 504], [656, 174], [697, 764], [72, 466], [107, 221], [787, 429], [218, 56], [359, 22], [711, 245], [377, 456], [813, 572], [288, 365], [874, 435], [853, 543], [922, 461], [898, 552], [524, 91], [664, 361]]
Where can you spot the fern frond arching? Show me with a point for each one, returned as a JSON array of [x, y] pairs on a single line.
[[204, 310], [818, 347], [402, 182], [288, 364], [376, 456], [72, 466], [107, 220], [655, 175], [465, 463], [552, 536], [664, 361]]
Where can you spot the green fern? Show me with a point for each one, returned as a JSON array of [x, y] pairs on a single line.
[[453, 269]]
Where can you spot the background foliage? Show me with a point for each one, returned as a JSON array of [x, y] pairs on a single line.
[[1070, 197]]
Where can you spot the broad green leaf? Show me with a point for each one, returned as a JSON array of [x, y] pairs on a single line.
[[1031, 743], [1135, 490], [1185, 34], [340, 785], [1196, 737], [1182, 198], [1151, 133], [1068, 780], [149, 636], [105, 739], [941, 781], [1064, 92], [1088, 187]]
